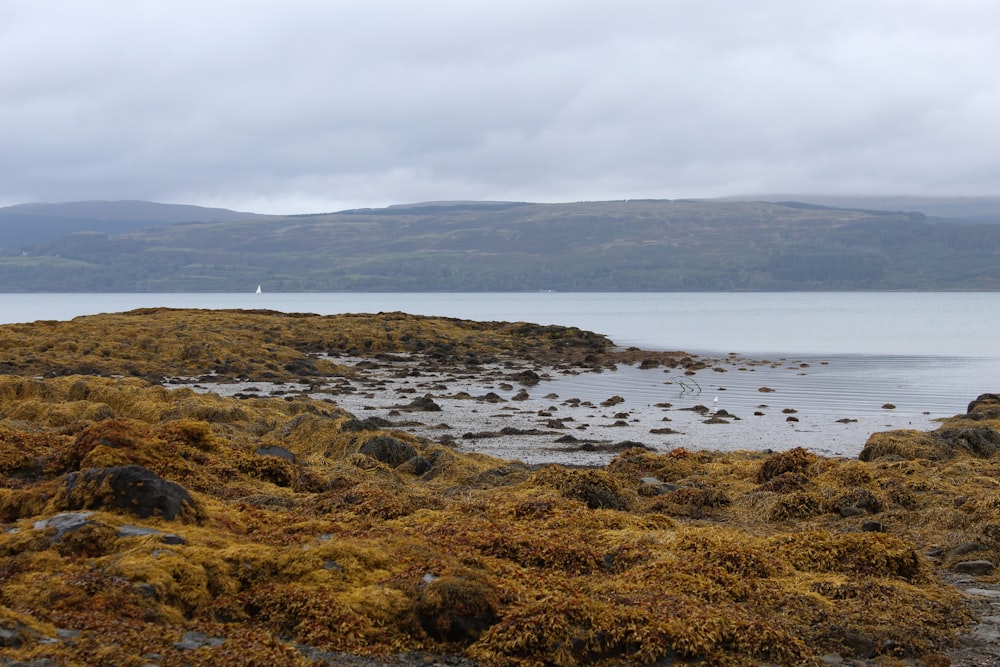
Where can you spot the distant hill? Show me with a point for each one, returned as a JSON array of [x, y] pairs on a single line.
[[31, 224], [972, 209], [634, 245]]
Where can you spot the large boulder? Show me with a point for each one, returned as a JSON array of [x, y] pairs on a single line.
[[129, 488], [985, 406]]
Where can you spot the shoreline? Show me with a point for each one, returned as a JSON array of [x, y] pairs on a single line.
[[576, 416]]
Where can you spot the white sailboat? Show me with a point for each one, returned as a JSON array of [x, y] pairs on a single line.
[[258, 289]]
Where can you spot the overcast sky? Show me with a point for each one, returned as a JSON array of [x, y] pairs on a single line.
[[293, 106]]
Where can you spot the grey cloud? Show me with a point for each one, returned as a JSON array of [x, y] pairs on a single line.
[[304, 106]]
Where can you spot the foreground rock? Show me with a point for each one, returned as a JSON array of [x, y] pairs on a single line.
[[147, 526]]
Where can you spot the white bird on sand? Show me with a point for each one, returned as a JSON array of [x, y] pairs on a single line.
[[715, 403]]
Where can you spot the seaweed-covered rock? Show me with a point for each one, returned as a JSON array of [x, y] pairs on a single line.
[[944, 444], [980, 441], [421, 404], [455, 608], [903, 443], [794, 460], [65, 522], [388, 450], [417, 465], [985, 406], [597, 488], [128, 488]]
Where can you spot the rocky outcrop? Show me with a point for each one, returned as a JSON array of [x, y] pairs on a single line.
[[131, 489]]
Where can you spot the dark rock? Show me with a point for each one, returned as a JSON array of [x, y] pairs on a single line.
[[417, 465], [422, 404], [480, 435], [130, 488], [513, 430], [303, 366], [491, 397], [985, 406], [980, 441], [529, 378], [859, 645], [873, 527], [10, 638], [274, 450], [977, 568], [520, 396], [370, 424], [388, 450]]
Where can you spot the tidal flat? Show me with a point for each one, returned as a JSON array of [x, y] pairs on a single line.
[[152, 517]]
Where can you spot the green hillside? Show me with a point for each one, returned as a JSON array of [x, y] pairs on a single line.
[[647, 245]]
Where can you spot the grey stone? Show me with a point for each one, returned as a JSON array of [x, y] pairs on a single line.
[[652, 486], [983, 592], [274, 450], [10, 638], [974, 567], [64, 523]]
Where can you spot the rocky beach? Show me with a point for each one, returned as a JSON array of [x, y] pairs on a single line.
[[190, 487]]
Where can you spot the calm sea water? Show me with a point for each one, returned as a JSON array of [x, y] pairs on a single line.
[[834, 355], [867, 323]]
